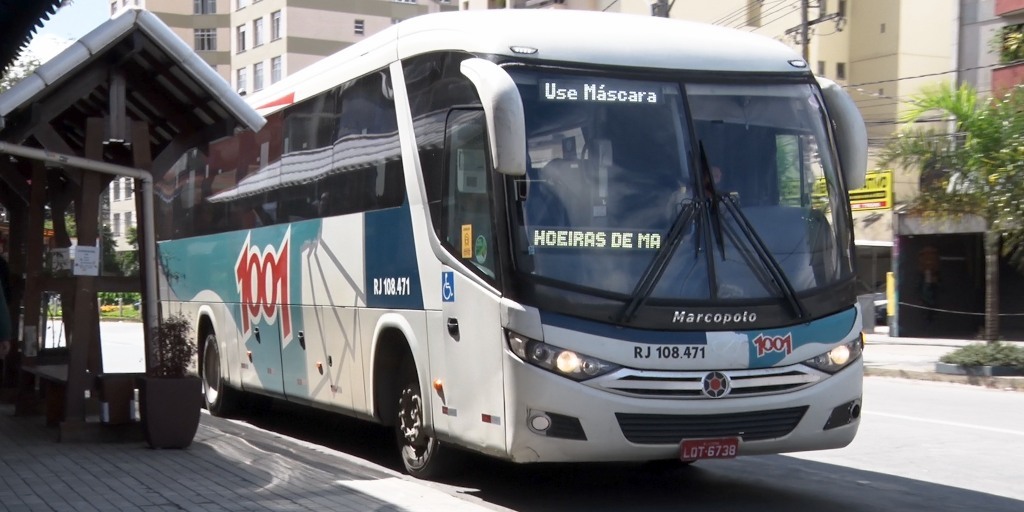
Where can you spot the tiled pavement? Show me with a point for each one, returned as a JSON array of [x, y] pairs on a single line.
[[228, 467]]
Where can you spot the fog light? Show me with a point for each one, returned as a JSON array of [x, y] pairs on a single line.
[[540, 422]]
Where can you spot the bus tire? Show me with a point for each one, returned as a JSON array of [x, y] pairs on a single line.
[[220, 399], [423, 456]]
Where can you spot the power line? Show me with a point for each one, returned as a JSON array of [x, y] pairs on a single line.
[[728, 18], [764, 14], [926, 75]]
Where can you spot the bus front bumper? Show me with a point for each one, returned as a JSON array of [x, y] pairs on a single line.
[[585, 424]]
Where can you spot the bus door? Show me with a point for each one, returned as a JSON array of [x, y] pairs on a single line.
[[473, 389]]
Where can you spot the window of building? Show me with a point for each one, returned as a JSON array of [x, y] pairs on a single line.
[[405, 1], [129, 186], [257, 32], [840, 71], [275, 25], [242, 3], [841, 10], [257, 76], [205, 39], [204, 6], [360, 26], [113, 7], [115, 190], [275, 70], [116, 225], [821, 68], [128, 222], [240, 81], [240, 38]]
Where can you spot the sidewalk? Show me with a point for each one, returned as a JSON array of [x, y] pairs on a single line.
[[236, 467], [228, 467], [915, 358]]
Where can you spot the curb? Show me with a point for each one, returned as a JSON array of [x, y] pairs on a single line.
[[1004, 383]]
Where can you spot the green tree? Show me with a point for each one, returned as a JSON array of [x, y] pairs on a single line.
[[16, 72], [971, 165], [129, 260]]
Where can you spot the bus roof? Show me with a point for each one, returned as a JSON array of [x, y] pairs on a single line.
[[557, 35]]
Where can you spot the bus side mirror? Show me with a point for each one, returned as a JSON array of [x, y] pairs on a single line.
[[852, 135], [503, 108]]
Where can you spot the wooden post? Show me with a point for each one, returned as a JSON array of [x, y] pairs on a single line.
[[85, 324]]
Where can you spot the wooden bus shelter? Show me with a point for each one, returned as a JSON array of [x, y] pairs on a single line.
[[127, 99]]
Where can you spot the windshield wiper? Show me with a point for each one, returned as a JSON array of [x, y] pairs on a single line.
[[775, 270], [659, 263]]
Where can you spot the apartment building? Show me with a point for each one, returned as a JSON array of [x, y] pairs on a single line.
[[254, 43], [992, 54]]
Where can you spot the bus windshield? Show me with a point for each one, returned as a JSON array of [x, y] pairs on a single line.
[[744, 173]]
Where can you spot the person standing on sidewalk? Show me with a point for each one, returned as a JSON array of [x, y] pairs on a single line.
[[5, 317]]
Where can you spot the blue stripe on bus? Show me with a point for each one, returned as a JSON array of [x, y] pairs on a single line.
[[392, 273], [776, 344], [623, 333], [828, 330]]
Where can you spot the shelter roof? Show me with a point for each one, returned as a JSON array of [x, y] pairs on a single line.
[[134, 67]]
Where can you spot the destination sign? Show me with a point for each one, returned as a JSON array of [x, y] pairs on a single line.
[[595, 239], [599, 91]]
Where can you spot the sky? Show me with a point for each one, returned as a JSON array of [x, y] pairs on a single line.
[[69, 24]]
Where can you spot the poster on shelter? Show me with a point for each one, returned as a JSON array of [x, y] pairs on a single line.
[[60, 260], [87, 260]]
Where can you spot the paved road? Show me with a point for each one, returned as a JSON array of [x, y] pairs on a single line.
[[923, 446]]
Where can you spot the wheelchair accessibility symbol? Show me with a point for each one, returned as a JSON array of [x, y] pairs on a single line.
[[447, 286]]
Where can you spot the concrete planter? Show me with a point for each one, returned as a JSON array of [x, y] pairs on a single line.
[[978, 371]]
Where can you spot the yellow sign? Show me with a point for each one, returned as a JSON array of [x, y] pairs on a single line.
[[467, 240], [877, 193]]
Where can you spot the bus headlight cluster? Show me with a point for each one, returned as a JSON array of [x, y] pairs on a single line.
[[837, 358], [566, 363]]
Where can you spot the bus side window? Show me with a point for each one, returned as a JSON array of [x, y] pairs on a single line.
[[466, 204]]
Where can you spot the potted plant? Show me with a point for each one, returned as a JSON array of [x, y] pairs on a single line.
[[169, 395]]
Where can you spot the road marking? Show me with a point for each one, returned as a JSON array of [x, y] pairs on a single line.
[[411, 496], [947, 423]]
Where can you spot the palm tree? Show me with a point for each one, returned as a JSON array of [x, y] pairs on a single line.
[[970, 166]]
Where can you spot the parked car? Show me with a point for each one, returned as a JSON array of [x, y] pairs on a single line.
[[881, 308]]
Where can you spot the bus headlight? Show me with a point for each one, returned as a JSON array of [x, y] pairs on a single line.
[[837, 358], [566, 363]]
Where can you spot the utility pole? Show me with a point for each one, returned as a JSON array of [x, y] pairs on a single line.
[[660, 8], [802, 32]]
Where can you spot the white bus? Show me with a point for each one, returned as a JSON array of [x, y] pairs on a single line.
[[540, 235]]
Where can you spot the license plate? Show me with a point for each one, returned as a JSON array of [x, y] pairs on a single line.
[[714, 448]]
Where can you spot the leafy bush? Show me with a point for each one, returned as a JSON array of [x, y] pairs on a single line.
[[174, 347], [987, 354], [1008, 42]]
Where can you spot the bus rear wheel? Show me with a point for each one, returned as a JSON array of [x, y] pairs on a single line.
[[423, 456], [220, 399]]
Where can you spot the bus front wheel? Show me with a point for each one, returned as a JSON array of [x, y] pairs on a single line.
[[221, 400], [422, 454]]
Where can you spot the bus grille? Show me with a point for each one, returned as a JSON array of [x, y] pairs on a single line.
[[687, 385], [672, 428]]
